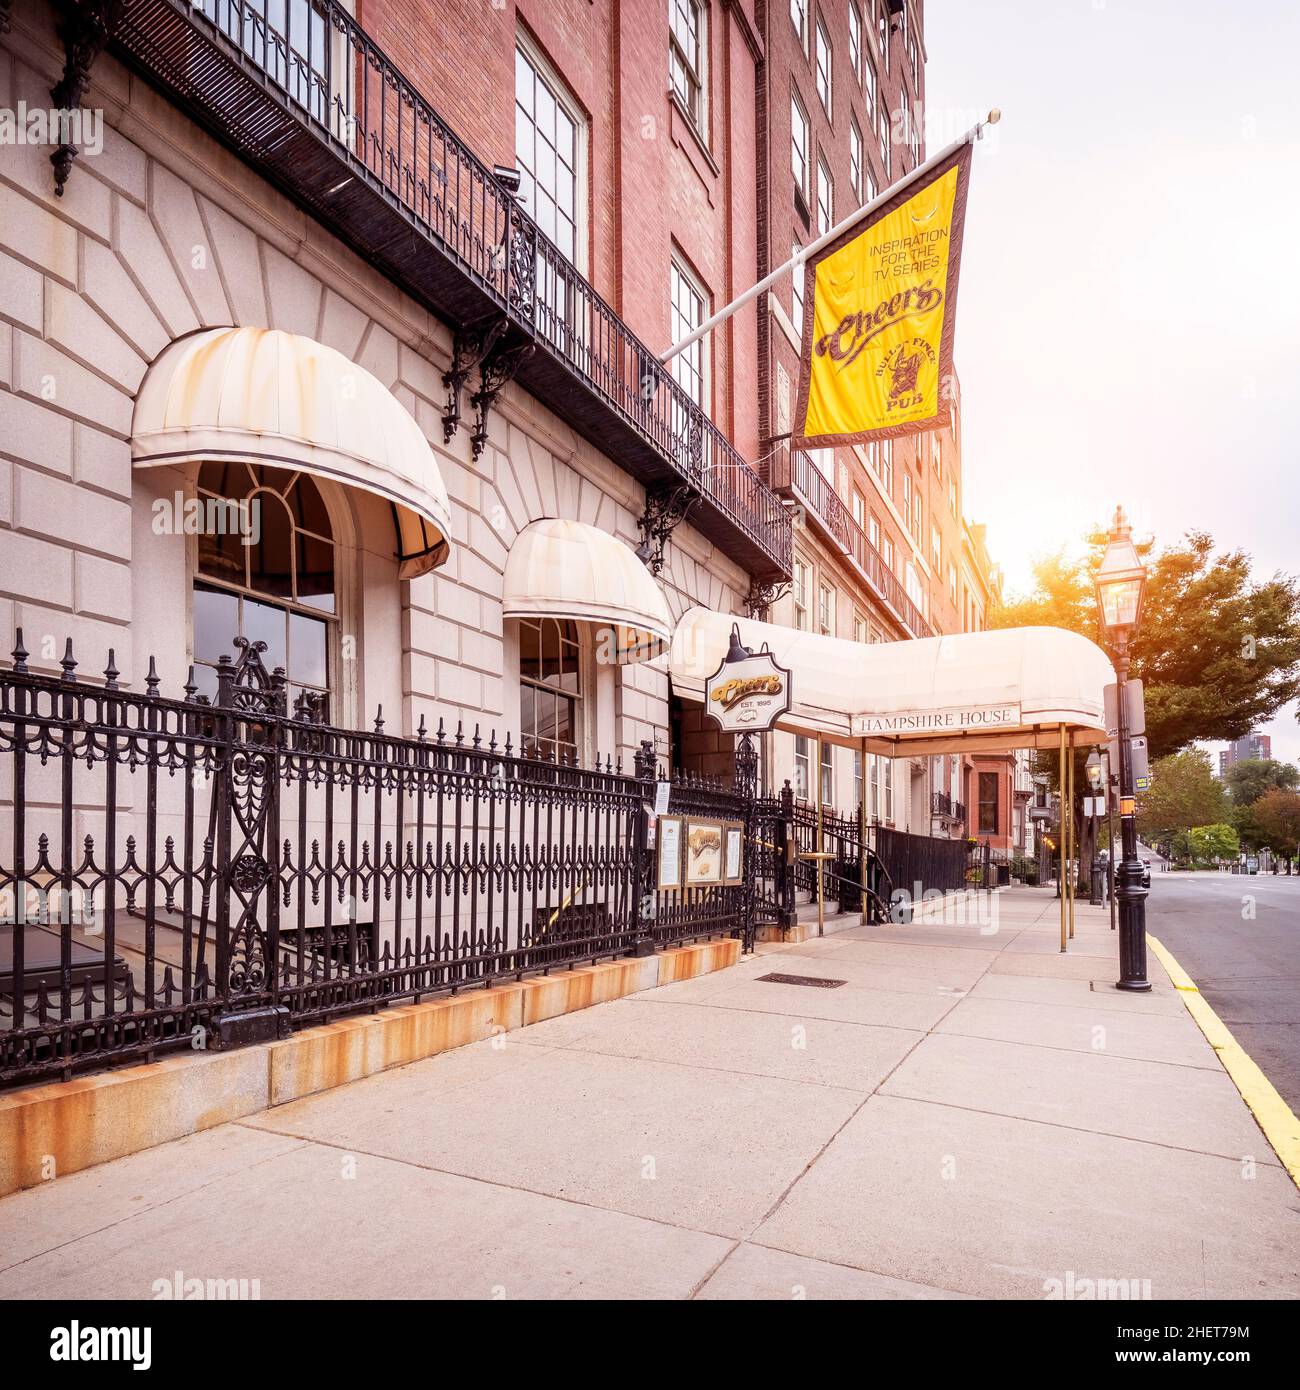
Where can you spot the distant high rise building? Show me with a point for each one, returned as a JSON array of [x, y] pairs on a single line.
[[1252, 746]]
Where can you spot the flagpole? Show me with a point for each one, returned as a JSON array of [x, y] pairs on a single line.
[[973, 134]]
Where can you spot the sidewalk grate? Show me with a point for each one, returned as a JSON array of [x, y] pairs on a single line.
[[813, 981]]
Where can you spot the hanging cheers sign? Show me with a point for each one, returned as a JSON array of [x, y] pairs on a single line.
[[749, 692]]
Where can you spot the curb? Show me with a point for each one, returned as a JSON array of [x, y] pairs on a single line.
[[1273, 1115], [53, 1128]]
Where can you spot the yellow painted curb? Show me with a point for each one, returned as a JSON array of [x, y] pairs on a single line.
[[1273, 1115]]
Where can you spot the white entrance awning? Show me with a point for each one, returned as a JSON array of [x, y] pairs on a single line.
[[264, 396], [1012, 688], [567, 569]]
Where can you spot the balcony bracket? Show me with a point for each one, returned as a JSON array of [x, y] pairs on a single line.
[[665, 510], [763, 593], [85, 29], [497, 368], [470, 346]]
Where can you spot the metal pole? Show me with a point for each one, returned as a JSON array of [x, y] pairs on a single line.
[[797, 260], [821, 900], [1060, 878], [862, 833], [1132, 896], [1074, 882], [1110, 841]]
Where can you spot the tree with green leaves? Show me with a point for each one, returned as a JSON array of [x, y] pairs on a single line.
[[1183, 793], [1217, 652], [1249, 779], [1211, 844], [1272, 822]]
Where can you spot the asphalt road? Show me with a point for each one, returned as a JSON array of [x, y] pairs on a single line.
[[1248, 970]]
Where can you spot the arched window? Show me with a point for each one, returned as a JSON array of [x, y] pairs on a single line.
[[550, 694], [265, 572]]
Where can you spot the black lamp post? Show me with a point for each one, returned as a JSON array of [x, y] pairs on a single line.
[[1121, 582]]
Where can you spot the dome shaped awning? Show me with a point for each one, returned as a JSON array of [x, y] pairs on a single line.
[[265, 396], [567, 569], [971, 691]]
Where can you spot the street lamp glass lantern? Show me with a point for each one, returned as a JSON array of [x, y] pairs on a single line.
[[1093, 769], [1121, 580]]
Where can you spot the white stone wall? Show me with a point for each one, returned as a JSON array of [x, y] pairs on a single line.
[[164, 233]]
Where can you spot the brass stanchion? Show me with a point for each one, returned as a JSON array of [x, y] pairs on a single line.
[[1069, 811], [1062, 846], [862, 833]]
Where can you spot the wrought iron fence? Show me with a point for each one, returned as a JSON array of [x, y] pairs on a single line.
[[176, 872]]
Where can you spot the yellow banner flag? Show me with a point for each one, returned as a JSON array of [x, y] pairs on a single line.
[[880, 309]]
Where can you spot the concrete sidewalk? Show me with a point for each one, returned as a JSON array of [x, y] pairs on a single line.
[[969, 1113]]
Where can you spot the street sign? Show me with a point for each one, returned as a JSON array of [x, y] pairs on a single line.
[[748, 696], [1140, 758], [1094, 805], [1136, 708]]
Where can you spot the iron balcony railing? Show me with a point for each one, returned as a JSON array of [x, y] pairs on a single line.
[[943, 806], [179, 873], [307, 97], [794, 473]]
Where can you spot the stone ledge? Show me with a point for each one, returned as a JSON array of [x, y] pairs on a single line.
[[61, 1127]]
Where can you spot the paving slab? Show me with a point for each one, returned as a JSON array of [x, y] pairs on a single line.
[[997, 1207], [43, 1218], [1143, 1036], [709, 1150], [851, 1003], [323, 1224], [753, 1271], [797, 1047], [1178, 1106], [1089, 994]]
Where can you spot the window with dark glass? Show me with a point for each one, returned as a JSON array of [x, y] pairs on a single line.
[[550, 693], [988, 806], [265, 572]]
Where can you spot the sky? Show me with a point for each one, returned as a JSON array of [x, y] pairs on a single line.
[[1128, 328]]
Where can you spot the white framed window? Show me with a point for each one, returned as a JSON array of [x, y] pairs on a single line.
[[828, 773], [796, 298], [550, 150], [550, 689], [855, 157], [873, 808], [855, 39], [800, 591], [870, 190], [873, 531], [826, 610], [889, 788], [282, 590], [936, 454], [857, 773], [952, 497], [802, 767], [688, 47], [825, 198], [824, 75], [799, 18], [912, 583], [869, 85], [687, 310], [799, 144], [936, 550], [882, 134], [886, 469], [952, 583], [859, 628], [887, 552], [882, 31], [907, 500], [918, 519], [859, 510]]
